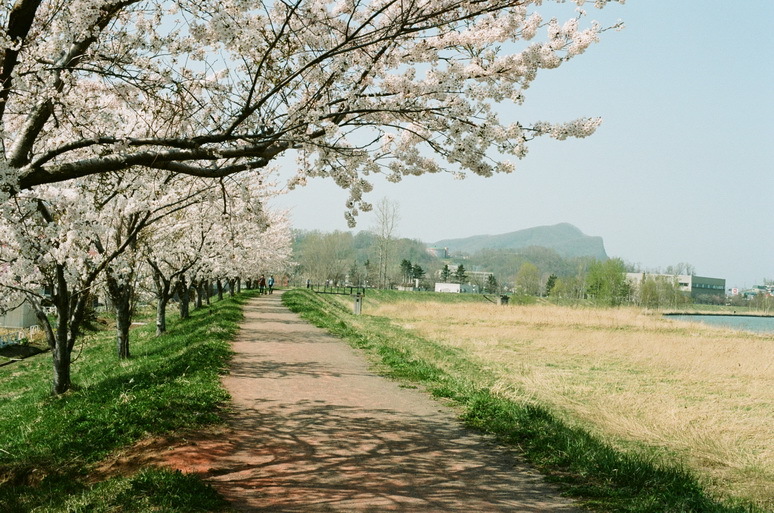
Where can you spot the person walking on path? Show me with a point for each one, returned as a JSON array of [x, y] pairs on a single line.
[[270, 284], [262, 285], [314, 430]]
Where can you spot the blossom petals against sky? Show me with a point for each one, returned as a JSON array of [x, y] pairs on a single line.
[[681, 170]]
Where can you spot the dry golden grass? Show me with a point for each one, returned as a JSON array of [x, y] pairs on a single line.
[[34, 335], [701, 395]]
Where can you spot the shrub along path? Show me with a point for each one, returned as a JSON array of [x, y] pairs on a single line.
[[314, 430]]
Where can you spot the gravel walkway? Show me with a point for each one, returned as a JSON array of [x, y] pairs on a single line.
[[314, 430]]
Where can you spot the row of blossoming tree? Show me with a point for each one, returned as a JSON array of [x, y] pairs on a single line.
[[119, 118], [64, 246]]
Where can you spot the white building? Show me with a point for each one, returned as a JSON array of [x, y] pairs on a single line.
[[20, 317], [448, 287]]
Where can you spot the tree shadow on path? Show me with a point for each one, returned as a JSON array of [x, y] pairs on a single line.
[[314, 430]]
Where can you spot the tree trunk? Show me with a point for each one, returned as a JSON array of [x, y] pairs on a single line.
[[192, 294], [198, 286], [231, 284], [207, 290], [123, 322], [163, 288], [70, 310], [61, 353], [121, 291], [219, 283], [161, 315], [60, 349], [184, 292]]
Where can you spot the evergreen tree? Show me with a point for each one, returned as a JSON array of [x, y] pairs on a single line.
[[406, 270], [491, 284], [460, 275], [550, 284]]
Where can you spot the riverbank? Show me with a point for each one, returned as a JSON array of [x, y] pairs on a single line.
[[655, 390], [732, 313], [751, 323]]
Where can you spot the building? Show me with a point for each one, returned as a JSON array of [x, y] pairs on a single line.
[[756, 290], [700, 288], [20, 317], [706, 288], [438, 252], [456, 288], [448, 287]]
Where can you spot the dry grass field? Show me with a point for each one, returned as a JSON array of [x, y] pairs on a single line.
[[685, 392]]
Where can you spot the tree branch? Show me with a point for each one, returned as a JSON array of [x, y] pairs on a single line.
[[178, 160]]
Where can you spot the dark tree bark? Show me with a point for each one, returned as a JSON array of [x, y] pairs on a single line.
[[163, 286], [121, 292], [70, 310], [184, 295], [206, 290], [166, 287], [197, 286], [161, 315]]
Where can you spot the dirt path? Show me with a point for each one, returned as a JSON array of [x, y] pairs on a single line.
[[314, 430]]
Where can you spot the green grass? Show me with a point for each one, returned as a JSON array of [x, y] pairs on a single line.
[[48, 444], [150, 489], [589, 469]]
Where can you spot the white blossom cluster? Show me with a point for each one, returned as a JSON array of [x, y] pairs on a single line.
[[59, 240], [215, 87]]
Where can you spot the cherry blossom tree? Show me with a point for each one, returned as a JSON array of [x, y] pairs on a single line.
[[60, 240], [169, 268], [215, 87], [228, 235], [54, 249], [253, 248], [120, 277], [181, 195]]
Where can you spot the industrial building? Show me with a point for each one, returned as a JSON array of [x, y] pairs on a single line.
[[700, 288]]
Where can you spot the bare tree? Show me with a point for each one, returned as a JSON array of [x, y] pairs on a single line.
[[384, 228], [326, 257]]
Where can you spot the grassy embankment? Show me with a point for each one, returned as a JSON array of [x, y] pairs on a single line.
[[49, 446], [629, 411]]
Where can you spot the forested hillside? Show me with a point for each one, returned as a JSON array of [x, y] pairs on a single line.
[[567, 240], [366, 259]]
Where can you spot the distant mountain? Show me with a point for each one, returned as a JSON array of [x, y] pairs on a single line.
[[564, 238]]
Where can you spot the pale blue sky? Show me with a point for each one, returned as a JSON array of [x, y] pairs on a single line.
[[681, 170]]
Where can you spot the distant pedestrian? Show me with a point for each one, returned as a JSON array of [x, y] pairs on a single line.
[[308, 283], [270, 283], [262, 285]]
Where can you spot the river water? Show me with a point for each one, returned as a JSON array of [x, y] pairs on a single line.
[[738, 322]]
